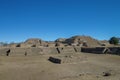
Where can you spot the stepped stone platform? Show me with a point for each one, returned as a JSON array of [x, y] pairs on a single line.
[[39, 51]]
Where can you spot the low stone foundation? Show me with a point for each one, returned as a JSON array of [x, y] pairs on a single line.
[[102, 50], [39, 51]]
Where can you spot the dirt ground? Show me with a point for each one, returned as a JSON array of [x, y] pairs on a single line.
[[91, 67]]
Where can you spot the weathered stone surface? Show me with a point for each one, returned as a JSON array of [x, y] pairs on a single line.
[[61, 40], [86, 41], [55, 60], [102, 50]]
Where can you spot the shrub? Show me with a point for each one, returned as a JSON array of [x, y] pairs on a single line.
[[114, 40]]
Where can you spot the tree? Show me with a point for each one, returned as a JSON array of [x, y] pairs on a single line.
[[114, 40]]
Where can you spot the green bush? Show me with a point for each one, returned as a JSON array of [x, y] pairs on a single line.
[[114, 40]]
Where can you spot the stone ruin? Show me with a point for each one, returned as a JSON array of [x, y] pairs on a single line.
[[55, 60], [36, 46], [34, 42], [81, 41], [102, 50]]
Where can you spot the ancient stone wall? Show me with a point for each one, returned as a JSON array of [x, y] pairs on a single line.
[[102, 50], [39, 51]]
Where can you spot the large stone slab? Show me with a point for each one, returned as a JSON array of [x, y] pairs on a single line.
[[55, 60]]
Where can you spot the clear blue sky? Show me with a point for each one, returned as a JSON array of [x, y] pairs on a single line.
[[51, 19]]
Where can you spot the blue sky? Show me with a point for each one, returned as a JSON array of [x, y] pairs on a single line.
[[51, 19]]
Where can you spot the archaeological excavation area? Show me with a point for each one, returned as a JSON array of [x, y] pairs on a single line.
[[74, 58]]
